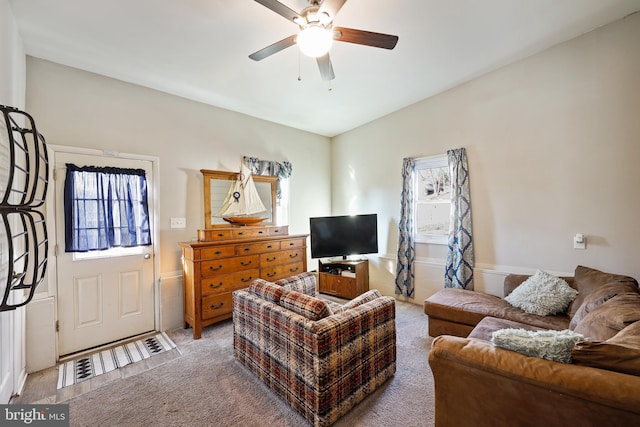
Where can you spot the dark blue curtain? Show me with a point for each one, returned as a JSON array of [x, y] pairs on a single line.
[[105, 207]]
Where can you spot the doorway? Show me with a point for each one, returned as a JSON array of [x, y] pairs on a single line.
[[109, 295]]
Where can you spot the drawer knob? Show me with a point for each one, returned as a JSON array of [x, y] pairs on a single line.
[[214, 286], [271, 274], [215, 307], [247, 249], [269, 247], [291, 243], [243, 263], [212, 268], [271, 259], [293, 270], [246, 279], [241, 233], [218, 252], [220, 234], [293, 255]]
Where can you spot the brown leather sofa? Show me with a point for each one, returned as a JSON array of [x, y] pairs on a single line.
[[479, 384]]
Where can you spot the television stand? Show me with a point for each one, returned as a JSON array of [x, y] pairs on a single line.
[[344, 279]]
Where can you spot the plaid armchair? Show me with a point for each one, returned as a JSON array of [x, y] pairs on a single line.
[[322, 358]]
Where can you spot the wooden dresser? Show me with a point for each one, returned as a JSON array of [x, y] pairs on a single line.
[[229, 258]]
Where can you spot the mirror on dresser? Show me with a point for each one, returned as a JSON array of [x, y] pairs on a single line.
[[216, 186]]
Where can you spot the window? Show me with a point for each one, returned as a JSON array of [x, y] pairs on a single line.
[[105, 208], [432, 200]]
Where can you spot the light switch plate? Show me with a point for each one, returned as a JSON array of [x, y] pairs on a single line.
[[178, 223]]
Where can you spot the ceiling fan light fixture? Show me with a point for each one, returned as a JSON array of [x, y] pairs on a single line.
[[315, 41]]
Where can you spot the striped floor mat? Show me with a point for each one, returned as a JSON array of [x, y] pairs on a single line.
[[92, 365]]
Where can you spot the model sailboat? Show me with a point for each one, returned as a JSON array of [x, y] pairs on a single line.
[[242, 200]]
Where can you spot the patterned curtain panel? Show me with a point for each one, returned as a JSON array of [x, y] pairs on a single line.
[[265, 167], [459, 267], [406, 245], [105, 207]]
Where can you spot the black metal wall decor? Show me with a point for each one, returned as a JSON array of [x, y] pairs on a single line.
[[24, 172]]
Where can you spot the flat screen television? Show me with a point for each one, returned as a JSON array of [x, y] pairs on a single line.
[[333, 236]]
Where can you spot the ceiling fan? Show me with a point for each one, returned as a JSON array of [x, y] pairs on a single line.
[[317, 33]]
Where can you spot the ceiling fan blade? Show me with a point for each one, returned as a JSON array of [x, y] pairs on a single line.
[[280, 9], [326, 69], [366, 38], [331, 7], [274, 48]]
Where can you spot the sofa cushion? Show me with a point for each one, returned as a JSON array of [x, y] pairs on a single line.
[[359, 300], [335, 307], [470, 307], [620, 353], [305, 305], [487, 326], [610, 317], [304, 283], [598, 297], [587, 280], [266, 290], [550, 345], [542, 294]]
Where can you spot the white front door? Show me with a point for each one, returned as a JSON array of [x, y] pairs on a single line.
[[103, 296]]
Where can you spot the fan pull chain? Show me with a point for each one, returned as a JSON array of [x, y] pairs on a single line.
[[299, 73]]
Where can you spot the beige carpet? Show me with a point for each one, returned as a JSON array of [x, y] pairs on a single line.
[[207, 387]]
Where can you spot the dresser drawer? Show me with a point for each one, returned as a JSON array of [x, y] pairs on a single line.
[[292, 243], [257, 248], [228, 282], [213, 234], [217, 305], [282, 257], [279, 231], [246, 232], [228, 265], [281, 271], [217, 252]]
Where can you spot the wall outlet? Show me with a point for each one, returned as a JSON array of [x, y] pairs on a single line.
[[579, 241], [178, 223]]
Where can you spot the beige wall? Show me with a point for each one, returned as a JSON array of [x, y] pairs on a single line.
[[81, 109], [553, 143]]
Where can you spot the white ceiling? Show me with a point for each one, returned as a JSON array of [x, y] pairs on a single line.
[[198, 49]]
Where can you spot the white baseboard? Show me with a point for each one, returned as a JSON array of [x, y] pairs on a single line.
[[21, 381]]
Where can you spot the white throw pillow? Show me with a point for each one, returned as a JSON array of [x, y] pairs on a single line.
[[549, 345], [542, 294]]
